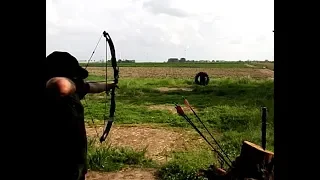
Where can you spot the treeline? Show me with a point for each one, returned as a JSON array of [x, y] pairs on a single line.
[[172, 60], [184, 60], [178, 65], [109, 61], [189, 64]]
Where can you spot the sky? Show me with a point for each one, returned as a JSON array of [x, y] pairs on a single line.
[[155, 30]]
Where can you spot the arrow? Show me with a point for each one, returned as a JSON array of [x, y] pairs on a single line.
[[186, 102], [181, 113]]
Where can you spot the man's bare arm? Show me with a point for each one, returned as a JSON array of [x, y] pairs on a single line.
[[62, 86], [98, 87]]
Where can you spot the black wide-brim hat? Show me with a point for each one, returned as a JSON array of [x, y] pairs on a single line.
[[63, 64]]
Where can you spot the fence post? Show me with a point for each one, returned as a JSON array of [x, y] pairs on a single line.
[[264, 128]]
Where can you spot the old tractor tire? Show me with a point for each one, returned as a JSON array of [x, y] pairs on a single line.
[[201, 78]]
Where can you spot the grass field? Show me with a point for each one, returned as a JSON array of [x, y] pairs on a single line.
[[149, 139]]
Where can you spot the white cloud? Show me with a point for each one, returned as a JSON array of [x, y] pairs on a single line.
[[228, 29]]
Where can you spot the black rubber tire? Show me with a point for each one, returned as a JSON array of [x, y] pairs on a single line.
[[204, 79]]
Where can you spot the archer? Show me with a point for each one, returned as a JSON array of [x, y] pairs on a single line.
[[64, 88]]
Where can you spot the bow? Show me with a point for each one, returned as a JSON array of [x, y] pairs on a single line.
[[112, 91], [108, 121]]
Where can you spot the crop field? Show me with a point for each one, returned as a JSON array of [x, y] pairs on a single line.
[[149, 140]]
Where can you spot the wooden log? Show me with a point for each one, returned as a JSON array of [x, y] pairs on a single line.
[[254, 162], [254, 154]]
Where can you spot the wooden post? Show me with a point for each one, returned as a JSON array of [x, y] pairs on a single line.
[[264, 128]]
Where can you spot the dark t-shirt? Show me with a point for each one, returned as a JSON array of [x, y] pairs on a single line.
[[66, 116]]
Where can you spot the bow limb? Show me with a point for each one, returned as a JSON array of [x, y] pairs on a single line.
[[112, 91]]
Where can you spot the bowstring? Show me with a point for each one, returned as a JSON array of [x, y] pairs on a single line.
[[105, 105], [94, 50], [85, 100]]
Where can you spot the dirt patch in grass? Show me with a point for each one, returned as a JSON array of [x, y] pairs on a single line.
[[250, 65], [167, 89], [170, 108], [158, 141], [267, 72], [124, 174]]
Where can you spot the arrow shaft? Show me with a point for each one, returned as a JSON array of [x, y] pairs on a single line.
[[208, 131], [200, 133]]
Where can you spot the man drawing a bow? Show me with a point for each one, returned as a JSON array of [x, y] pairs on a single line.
[[64, 88]]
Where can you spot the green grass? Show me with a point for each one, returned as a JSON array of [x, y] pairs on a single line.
[[185, 165], [228, 106], [268, 65], [186, 64], [107, 158]]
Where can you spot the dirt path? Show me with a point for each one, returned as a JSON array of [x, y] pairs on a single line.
[[158, 141], [125, 174], [267, 72]]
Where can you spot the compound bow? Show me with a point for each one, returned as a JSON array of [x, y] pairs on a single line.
[[115, 76], [108, 121]]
